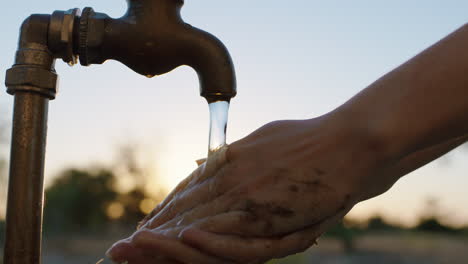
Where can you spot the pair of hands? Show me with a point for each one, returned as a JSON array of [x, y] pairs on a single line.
[[269, 195], [274, 192]]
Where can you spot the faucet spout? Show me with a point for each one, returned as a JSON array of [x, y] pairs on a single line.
[[152, 39], [211, 60]]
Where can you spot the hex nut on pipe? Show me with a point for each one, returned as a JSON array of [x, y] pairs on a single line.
[[34, 79], [61, 29]]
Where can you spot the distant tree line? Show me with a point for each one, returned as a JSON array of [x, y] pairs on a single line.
[[90, 200], [81, 200], [348, 230]]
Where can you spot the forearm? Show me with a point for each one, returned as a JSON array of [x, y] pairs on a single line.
[[422, 103], [422, 157], [412, 162]]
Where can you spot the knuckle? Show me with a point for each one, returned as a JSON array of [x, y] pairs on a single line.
[[275, 124], [140, 236]]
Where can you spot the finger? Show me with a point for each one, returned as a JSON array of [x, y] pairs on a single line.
[[215, 207], [205, 171], [257, 249], [250, 223], [151, 242], [234, 248], [123, 251], [208, 198], [179, 188], [303, 239], [238, 223]]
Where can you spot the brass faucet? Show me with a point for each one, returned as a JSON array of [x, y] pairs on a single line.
[[151, 39]]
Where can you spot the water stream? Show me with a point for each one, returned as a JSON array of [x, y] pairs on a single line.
[[218, 123]]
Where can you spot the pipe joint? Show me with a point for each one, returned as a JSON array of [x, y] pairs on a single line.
[[29, 78], [43, 39], [33, 70], [62, 36], [92, 27]]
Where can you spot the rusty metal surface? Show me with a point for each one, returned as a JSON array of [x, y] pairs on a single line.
[[25, 190], [32, 80]]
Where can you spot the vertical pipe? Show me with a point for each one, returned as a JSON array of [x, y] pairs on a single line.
[[25, 190]]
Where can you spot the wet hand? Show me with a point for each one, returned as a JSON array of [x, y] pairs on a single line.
[[165, 246], [283, 179], [261, 209]]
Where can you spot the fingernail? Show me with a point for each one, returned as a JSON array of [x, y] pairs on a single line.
[[109, 254], [111, 259], [112, 251]]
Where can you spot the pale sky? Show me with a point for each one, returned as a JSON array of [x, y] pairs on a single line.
[[294, 59]]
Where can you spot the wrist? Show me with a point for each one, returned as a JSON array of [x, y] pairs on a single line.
[[360, 127], [350, 140]]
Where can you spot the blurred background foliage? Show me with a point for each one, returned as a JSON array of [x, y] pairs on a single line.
[[92, 199]]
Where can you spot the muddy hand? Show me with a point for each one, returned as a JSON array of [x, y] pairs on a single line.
[[162, 247], [286, 176], [276, 213], [257, 197], [172, 204], [197, 246], [282, 179]]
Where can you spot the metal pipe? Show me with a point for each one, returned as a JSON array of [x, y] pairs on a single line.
[[32, 80], [152, 39], [25, 188]]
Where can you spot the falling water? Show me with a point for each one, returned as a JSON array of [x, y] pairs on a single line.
[[218, 124]]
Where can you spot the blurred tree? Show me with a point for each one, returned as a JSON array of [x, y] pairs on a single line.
[[377, 223], [346, 231], [433, 225], [464, 231], [137, 183], [430, 219], [3, 179], [3, 167], [136, 169], [131, 203], [88, 199], [78, 199]]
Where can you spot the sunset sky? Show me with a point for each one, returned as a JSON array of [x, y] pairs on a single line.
[[294, 60]]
